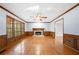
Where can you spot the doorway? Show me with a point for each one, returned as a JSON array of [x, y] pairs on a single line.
[[59, 29]]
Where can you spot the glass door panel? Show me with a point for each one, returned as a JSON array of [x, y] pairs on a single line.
[[17, 28], [9, 27]]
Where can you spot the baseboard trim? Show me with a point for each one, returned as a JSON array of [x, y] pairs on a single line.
[[71, 48]]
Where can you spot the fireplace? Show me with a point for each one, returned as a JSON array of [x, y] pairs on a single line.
[[38, 31]]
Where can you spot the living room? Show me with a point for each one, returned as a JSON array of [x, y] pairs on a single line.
[[39, 29]]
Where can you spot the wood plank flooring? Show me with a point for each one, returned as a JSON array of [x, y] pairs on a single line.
[[32, 45]]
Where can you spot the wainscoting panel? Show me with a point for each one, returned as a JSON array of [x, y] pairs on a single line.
[[29, 33], [46, 33], [2, 42], [72, 41], [52, 34]]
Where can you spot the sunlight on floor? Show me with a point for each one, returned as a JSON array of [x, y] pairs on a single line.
[[38, 48]]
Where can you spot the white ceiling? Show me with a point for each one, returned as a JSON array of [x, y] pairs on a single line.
[[27, 10]]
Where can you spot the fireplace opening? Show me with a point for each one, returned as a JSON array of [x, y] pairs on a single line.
[[37, 33]]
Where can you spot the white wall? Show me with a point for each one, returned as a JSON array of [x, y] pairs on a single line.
[[71, 22], [3, 15], [25, 27], [52, 26], [2, 22], [59, 28], [38, 25]]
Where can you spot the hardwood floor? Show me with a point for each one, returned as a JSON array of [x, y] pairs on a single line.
[[32, 45], [69, 51]]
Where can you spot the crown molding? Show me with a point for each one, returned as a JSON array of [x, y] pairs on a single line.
[[65, 12], [11, 13], [38, 22]]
